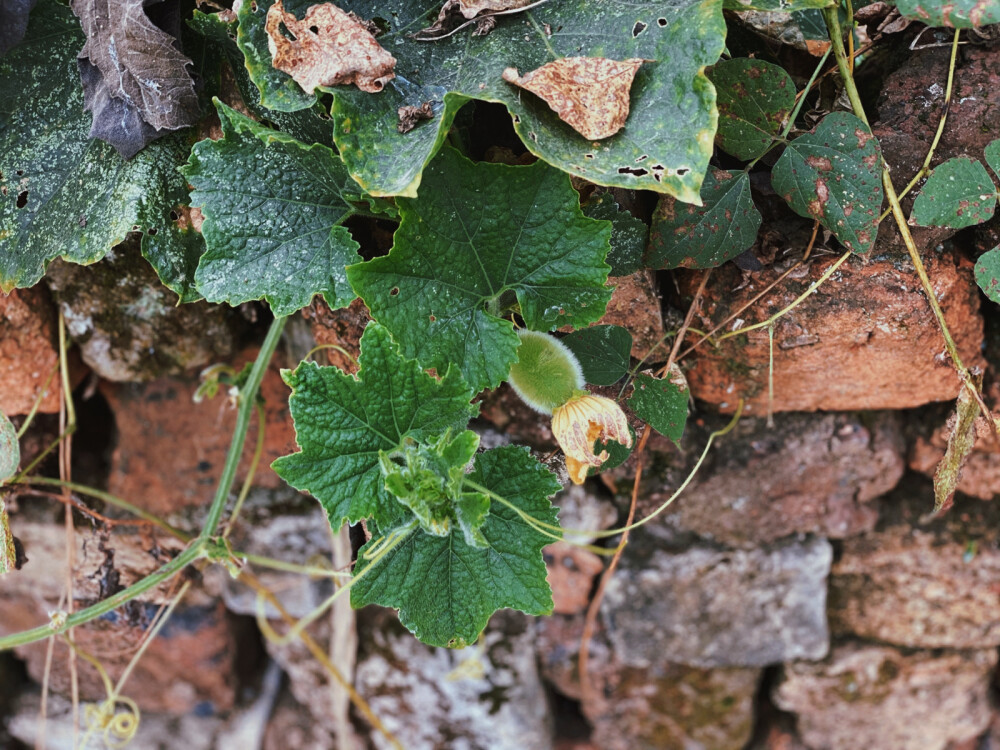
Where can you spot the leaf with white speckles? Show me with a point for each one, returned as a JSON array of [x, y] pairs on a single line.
[[958, 194], [833, 173], [988, 273], [63, 194], [666, 142], [274, 211], [481, 241]]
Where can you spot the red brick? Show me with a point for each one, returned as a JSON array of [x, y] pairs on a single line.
[[28, 351]]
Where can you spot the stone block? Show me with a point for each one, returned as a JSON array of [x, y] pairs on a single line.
[[877, 696], [28, 351], [715, 608], [865, 339]]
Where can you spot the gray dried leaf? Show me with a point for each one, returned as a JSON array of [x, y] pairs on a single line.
[[13, 22]]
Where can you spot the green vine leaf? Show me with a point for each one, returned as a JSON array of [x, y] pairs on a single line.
[[480, 239], [755, 98], [343, 422], [628, 234], [706, 236], [446, 590], [662, 404], [988, 273], [65, 195], [274, 210], [958, 14], [604, 352], [959, 193], [832, 173], [664, 146]]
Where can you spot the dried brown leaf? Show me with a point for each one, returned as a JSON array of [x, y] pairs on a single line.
[[340, 50], [590, 94], [472, 8], [961, 441]]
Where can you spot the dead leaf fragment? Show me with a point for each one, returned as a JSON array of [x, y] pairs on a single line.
[[329, 48], [472, 8], [590, 94], [409, 116], [961, 441]]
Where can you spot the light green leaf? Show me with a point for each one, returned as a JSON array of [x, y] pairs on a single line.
[[10, 451], [958, 194], [833, 173], [959, 14], [63, 194], [662, 404], [664, 146], [343, 422], [274, 210], [988, 273], [687, 236], [480, 239], [444, 589], [428, 479], [604, 352], [755, 99], [628, 234]]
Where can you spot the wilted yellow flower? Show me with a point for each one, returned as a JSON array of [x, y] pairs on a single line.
[[582, 420]]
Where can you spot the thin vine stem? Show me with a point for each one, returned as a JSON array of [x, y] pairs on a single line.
[[248, 397]]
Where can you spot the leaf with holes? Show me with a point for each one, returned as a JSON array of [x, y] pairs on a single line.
[[687, 236], [958, 194], [343, 422], [958, 14], [628, 234], [755, 99], [665, 144], [447, 590], [481, 241], [604, 352], [988, 273], [832, 173], [65, 195], [662, 404], [274, 210]]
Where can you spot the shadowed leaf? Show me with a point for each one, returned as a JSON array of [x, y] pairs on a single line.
[[754, 98]]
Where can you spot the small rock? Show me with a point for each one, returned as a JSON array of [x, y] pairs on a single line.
[[129, 326], [866, 339], [922, 584], [572, 571], [28, 351], [484, 697], [711, 608], [875, 696]]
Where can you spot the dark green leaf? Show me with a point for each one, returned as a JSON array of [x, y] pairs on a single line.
[[833, 173], [444, 589], [959, 14], [628, 234], [603, 352], [480, 237], [342, 422], [958, 194], [781, 6], [755, 99], [617, 453], [688, 236], [992, 153], [988, 274], [274, 210], [63, 194], [664, 146], [662, 404]]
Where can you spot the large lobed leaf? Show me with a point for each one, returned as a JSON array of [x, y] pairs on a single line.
[[445, 589], [63, 194], [274, 210], [342, 422], [478, 235], [664, 146], [832, 173]]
